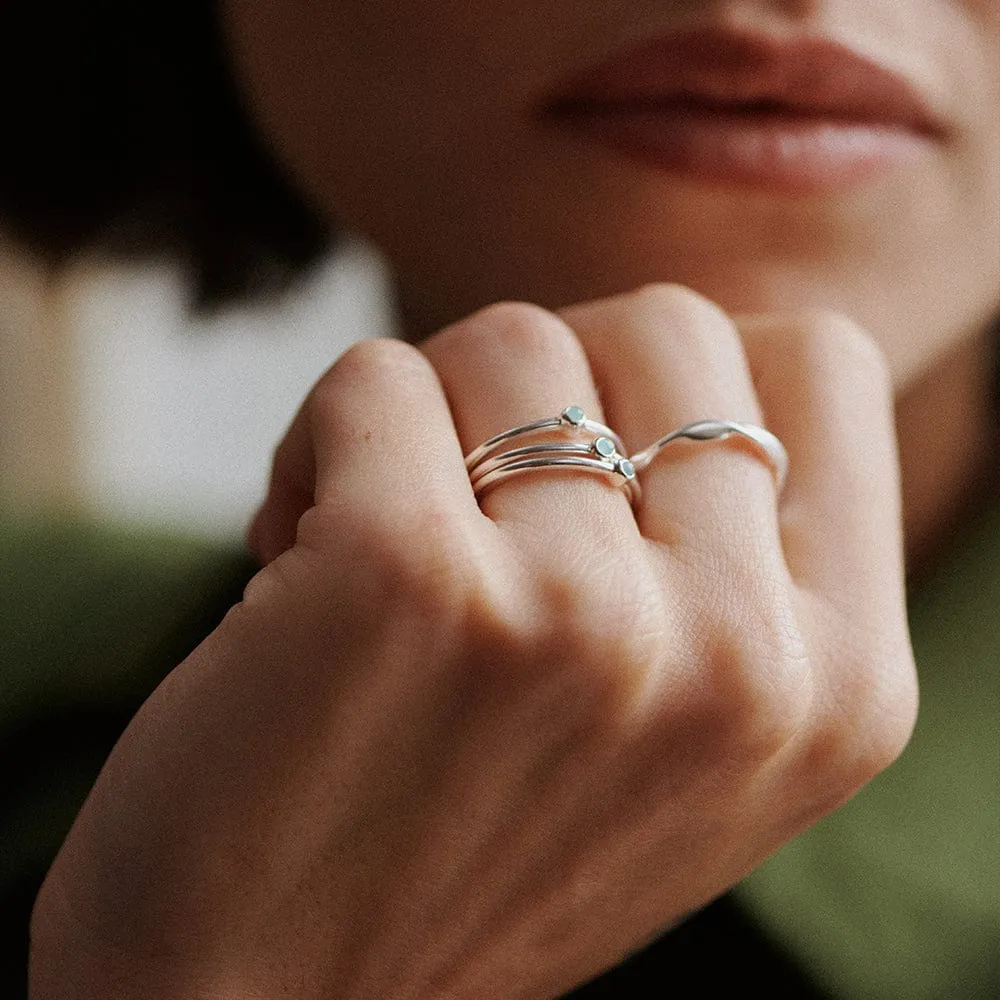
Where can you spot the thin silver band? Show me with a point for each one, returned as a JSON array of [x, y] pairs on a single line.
[[572, 418], [619, 469], [768, 446], [542, 450]]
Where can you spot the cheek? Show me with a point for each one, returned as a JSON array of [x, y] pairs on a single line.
[[939, 276], [403, 121], [364, 101], [326, 84]]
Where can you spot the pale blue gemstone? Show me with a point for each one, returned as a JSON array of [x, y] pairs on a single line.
[[604, 447]]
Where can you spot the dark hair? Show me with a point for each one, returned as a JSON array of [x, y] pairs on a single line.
[[122, 128]]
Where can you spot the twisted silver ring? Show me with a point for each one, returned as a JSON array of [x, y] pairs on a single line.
[[767, 444]]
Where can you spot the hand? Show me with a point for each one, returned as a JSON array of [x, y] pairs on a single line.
[[450, 751]]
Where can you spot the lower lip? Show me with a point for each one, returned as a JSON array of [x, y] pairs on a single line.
[[779, 151]]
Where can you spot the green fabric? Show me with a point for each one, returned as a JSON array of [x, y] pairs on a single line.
[[91, 618], [896, 896]]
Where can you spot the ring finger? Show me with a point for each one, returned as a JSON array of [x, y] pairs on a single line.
[[513, 364]]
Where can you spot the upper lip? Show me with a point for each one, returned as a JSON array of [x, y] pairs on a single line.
[[740, 71]]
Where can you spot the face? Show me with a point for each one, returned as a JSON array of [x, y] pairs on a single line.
[[770, 154]]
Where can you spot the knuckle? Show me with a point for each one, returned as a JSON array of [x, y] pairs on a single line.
[[529, 330], [325, 403], [584, 651], [377, 356], [880, 723], [866, 723], [421, 570], [424, 567], [834, 343], [677, 304], [507, 328], [365, 366], [755, 684], [698, 327], [668, 295], [608, 627]]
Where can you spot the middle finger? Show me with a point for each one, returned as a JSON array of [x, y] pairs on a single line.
[[664, 357]]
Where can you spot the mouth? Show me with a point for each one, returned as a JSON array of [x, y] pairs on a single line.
[[790, 115]]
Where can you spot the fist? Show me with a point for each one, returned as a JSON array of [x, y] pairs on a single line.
[[460, 747]]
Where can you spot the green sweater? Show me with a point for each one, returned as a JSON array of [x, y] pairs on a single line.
[[894, 897], [897, 894]]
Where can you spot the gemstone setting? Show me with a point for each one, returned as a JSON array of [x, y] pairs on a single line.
[[626, 468], [605, 447]]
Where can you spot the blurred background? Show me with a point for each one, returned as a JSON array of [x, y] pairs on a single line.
[[117, 400]]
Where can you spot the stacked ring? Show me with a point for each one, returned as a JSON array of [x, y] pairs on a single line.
[[603, 453], [572, 419]]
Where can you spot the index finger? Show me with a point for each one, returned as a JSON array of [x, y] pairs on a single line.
[[373, 438]]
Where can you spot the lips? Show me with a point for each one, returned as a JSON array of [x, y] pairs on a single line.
[[797, 114]]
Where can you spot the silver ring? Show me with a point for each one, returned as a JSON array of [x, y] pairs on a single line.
[[600, 448], [619, 468], [768, 446], [604, 453], [573, 418]]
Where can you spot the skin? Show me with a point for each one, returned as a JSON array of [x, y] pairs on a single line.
[[519, 210], [510, 744], [475, 201], [515, 738]]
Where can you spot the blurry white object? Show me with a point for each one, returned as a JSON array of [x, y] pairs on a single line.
[[179, 414]]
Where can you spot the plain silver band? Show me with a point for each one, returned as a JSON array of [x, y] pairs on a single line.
[[516, 467], [553, 448], [769, 447], [591, 427]]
